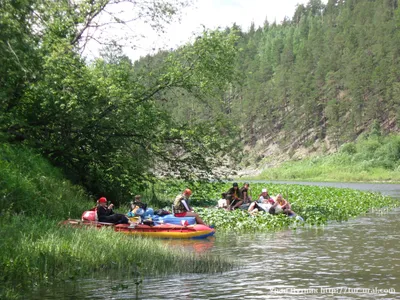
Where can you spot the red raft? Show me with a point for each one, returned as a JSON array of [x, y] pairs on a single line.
[[168, 231]]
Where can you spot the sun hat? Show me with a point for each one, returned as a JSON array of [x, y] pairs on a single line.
[[264, 191]]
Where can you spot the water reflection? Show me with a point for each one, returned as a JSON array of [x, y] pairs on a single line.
[[340, 261], [199, 246], [361, 253], [344, 257]]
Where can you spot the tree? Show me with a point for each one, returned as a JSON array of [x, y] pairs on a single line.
[[102, 122]]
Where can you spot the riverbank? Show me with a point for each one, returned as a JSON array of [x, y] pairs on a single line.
[[372, 158], [35, 251], [327, 169]]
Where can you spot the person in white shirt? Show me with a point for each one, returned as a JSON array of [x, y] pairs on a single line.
[[264, 202]]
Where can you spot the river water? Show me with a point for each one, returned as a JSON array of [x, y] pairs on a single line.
[[357, 259]]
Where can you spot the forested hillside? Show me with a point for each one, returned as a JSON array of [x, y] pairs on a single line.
[[318, 79], [331, 71]]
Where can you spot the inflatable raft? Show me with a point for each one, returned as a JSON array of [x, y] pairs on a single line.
[[168, 231]]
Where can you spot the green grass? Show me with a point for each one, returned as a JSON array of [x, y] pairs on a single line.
[[38, 251], [34, 197], [30, 185], [371, 159]]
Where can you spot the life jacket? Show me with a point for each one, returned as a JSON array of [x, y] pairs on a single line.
[[178, 206]]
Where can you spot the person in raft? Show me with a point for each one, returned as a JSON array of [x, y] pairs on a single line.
[[139, 208], [283, 204], [223, 203], [264, 202], [182, 208], [244, 191], [137, 203], [234, 197], [106, 214]]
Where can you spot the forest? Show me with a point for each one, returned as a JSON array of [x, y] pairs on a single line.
[[323, 77], [328, 74], [103, 121]]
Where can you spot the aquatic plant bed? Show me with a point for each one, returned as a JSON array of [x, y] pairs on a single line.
[[316, 205]]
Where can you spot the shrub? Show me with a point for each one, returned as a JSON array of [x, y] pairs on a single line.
[[349, 148]]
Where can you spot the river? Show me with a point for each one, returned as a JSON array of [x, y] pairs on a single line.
[[357, 259]]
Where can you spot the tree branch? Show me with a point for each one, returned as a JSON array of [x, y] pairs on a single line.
[[90, 18], [16, 56]]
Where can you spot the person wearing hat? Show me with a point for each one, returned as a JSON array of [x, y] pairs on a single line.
[[234, 197], [106, 214], [264, 202], [181, 207], [265, 196]]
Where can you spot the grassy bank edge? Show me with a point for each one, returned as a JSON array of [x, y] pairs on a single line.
[[372, 158], [37, 251], [34, 197]]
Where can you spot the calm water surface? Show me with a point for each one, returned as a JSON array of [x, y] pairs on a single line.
[[358, 259]]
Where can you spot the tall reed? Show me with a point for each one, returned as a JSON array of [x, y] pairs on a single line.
[[37, 251]]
